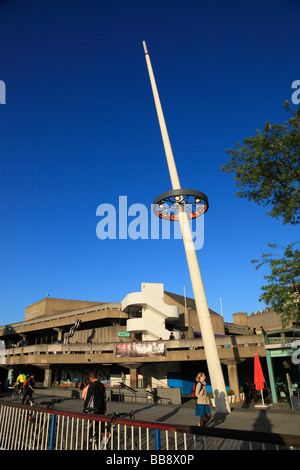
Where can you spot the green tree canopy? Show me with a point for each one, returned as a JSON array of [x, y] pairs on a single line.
[[282, 293], [267, 171], [267, 168]]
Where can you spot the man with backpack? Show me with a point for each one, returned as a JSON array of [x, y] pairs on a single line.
[[29, 387], [20, 381]]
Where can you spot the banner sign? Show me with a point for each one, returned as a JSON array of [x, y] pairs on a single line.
[[146, 349]]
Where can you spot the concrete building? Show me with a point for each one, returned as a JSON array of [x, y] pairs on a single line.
[[62, 340], [268, 319]]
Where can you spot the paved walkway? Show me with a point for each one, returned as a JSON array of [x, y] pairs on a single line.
[[271, 420], [277, 419]]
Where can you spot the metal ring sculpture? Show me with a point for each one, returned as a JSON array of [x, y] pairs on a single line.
[[167, 205]]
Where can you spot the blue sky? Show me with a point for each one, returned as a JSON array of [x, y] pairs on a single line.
[[79, 129]]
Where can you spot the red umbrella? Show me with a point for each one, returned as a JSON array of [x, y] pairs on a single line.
[[258, 374], [259, 379]]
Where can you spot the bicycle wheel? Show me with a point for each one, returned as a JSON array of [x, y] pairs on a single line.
[[15, 393]]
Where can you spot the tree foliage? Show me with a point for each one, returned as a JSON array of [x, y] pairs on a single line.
[[282, 293], [267, 171], [267, 168]]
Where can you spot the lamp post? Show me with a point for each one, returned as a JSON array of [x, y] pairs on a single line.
[[179, 198]]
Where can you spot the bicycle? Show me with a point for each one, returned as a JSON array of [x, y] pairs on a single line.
[[17, 391], [49, 403], [36, 431], [112, 438], [39, 423]]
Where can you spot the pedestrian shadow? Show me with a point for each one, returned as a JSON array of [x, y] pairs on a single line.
[[148, 407], [160, 418], [220, 403], [169, 415], [262, 423], [218, 418]]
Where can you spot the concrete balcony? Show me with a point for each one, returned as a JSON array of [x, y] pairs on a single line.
[[231, 349]]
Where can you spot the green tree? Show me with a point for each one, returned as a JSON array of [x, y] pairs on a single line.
[[282, 293], [267, 171], [267, 168]]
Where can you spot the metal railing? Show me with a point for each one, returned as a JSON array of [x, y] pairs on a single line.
[[226, 342], [25, 427]]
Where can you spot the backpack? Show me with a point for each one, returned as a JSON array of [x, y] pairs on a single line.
[[25, 383], [194, 389]]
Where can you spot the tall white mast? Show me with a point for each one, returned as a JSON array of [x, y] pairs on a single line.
[[212, 357]]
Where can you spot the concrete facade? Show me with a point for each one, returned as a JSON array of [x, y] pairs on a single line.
[[268, 319], [104, 327], [50, 306]]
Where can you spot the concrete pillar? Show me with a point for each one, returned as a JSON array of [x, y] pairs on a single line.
[[271, 376], [234, 380], [134, 378], [59, 333], [48, 377], [133, 370]]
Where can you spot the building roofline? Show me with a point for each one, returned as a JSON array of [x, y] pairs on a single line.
[[190, 303]]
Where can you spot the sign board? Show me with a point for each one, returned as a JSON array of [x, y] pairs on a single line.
[[146, 349], [124, 334]]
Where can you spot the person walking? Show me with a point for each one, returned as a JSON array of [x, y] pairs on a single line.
[[202, 406], [95, 397], [250, 392], [86, 385], [29, 388], [95, 400]]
